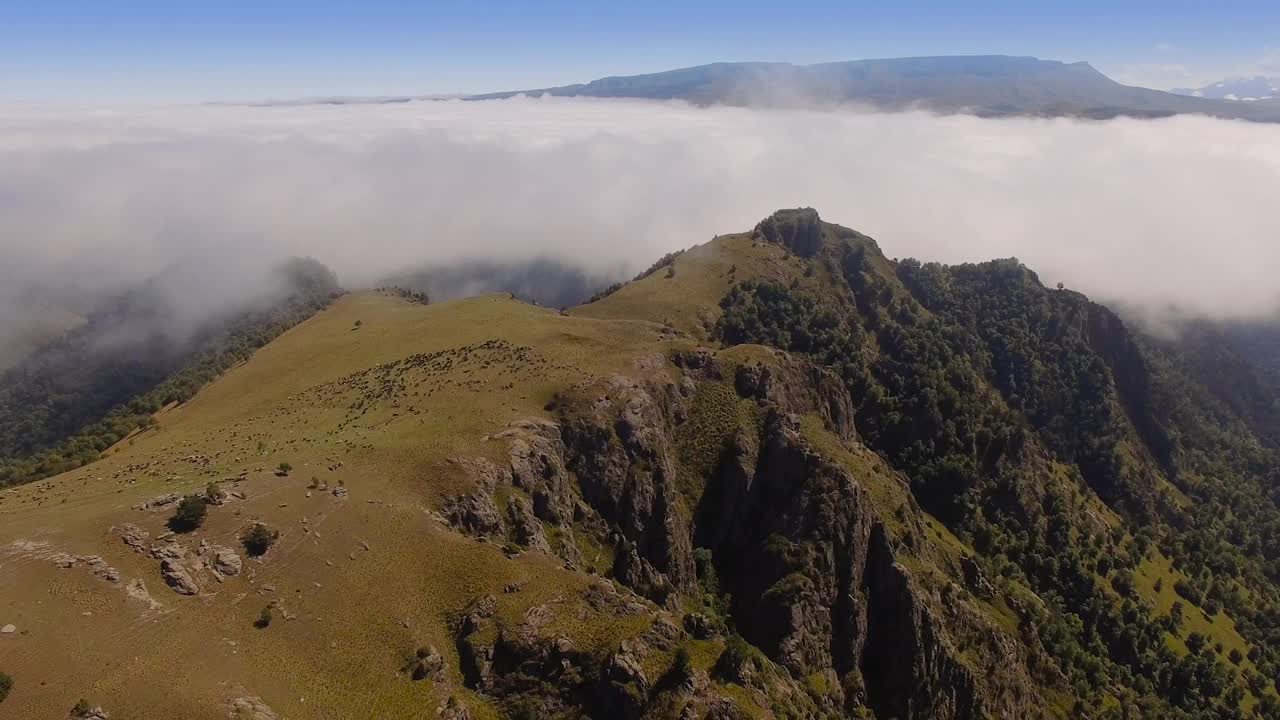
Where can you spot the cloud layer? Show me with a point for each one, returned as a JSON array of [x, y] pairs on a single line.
[[1178, 211]]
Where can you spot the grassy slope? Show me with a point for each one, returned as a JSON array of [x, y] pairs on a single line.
[[301, 400], [80, 636]]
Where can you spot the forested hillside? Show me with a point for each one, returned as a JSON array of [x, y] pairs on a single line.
[[66, 403], [1129, 482]]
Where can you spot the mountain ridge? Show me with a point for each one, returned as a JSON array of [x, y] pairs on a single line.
[[778, 475]]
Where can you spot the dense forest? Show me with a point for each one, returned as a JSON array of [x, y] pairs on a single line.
[[66, 403], [1013, 407]]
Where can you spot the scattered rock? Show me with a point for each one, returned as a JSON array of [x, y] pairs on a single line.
[[159, 502], [9, 629], [177, 577], [700, 626], [725, 709], [135, 537], [96, 564], [223, 561], [428, 664], [101, 569], [249, 708], [137, 590], [169, 551], [454, 710], [95, 713]]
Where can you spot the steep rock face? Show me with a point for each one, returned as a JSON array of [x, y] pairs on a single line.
[[799, 230], [1107, 335], [793, 386], [475, 513], [816, 585], [620, 451], [798, 543], [909, 668], [802, 542]]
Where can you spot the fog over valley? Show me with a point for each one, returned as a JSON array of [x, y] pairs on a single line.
[[1146, 213]]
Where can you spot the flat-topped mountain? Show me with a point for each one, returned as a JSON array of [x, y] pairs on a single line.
[[988, 85]]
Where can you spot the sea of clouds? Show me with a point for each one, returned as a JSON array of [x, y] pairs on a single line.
[[1152, 213]]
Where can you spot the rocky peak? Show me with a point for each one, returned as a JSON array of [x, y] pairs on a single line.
[[798, 230]]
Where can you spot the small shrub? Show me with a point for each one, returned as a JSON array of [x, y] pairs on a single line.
[[6, 684], [190, 514], [738, 653], [683, 665], [283, 469], [258, 539], [214, 493], [1235, 656], [264, 618], [80, 709]]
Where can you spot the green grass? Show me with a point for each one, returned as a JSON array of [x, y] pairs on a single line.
[[716, 416], [689, 300], [307, 399]]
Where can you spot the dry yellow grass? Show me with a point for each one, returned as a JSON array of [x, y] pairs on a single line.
[[358, 612]]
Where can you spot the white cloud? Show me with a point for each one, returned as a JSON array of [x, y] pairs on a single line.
[[1160, 75], [1153, 212]]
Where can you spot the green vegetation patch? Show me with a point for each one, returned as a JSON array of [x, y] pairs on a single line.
[[716, 416]]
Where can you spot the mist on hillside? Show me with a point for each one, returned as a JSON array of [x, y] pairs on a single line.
[[1153, 214]]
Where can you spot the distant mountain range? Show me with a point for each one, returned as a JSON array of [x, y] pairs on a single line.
[[988, 85], [1254, 89], [982, 85]]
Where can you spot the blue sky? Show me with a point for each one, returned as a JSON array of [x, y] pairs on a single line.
[[187, 50]]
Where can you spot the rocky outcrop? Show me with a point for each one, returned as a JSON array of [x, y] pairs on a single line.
[[797, 541], [799, 230], [619, 448], [537, 467], [137, 589], [427, 664], [525, 528], [475, 512], [135, 537], [808, 557], [249, 708], [221, 561], [178, 577], [795, 387]]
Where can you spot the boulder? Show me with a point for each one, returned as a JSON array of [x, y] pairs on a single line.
[[249, 708], [427, 664], [177, 577]]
